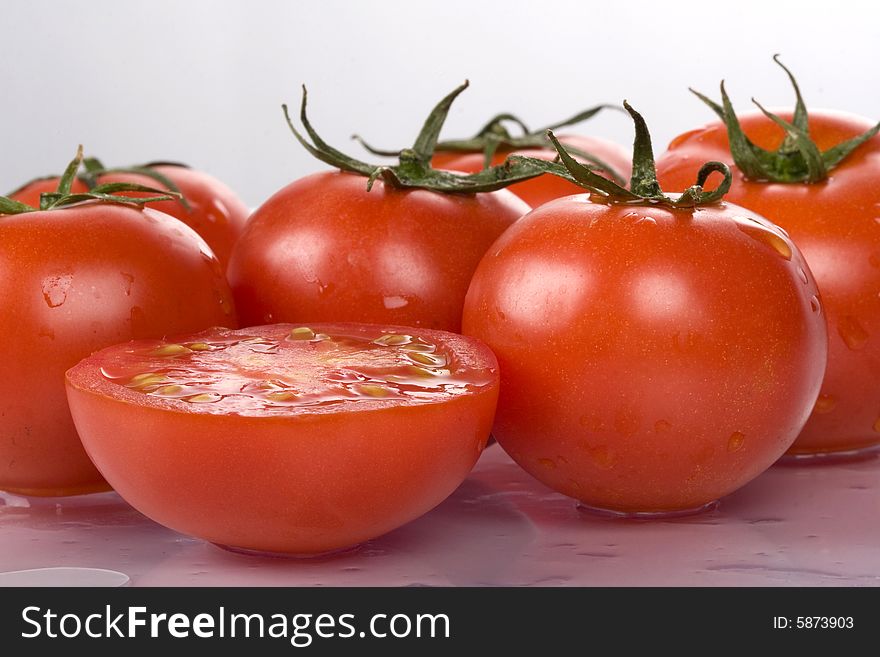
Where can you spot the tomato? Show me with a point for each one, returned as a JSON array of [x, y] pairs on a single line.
[[835, 224], [286, 438], [656, 352], [74, 280], [651, 359], [538, 191], [214, 211], [326, 249]]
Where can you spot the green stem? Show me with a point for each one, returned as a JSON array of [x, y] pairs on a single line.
[[644, 188], [798, 159], [414, 170], [107, 193], [494, 136]]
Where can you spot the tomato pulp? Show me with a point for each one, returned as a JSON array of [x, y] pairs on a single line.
[[538, 191], [326, 249], [835, 224], [285, 438], [72, 281], [652, 359]]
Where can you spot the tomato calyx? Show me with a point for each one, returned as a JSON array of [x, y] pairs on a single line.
[[644, 187], [93, 168], [107, 193], [495, 136], [798, 159], [414, 170]]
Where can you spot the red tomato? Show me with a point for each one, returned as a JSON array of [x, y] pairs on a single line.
[[652, 359], [215, 212], [283, 438], [325, 249], [74, 280], [538, 191], [835, 224]]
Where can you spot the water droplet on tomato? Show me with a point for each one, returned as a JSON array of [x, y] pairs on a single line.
[[803, 275], [767, 236], [127, 281], [815, 306], [877, 425], [393, 302], [735, 442], [824, 404], [550, 464], [56, 288], [851, 331]]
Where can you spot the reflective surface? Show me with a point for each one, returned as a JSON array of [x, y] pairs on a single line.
[[811, 525]]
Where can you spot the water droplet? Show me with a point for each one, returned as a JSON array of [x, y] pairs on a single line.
[[815, 306], [803, 275], [127, 281], [547, 463], [825, 404], [877, 425], [735, 442], [767, 236], [661, 426], [55, 289], [853, 334], [391, 303]]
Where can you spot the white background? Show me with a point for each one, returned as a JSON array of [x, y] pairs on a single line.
[[202, 81]]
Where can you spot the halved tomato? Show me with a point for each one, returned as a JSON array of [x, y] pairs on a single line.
[[285, 438]]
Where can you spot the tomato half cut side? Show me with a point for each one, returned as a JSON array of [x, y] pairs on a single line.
[[284, 438]]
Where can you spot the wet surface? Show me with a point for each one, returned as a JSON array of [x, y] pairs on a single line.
[[796, 525]]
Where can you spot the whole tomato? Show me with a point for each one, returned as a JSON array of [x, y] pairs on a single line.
[[656, 352], [208, 206], [326, 249], [393, 245], [832, 215], [75, 278]]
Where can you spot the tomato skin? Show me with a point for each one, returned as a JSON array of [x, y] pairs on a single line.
[[215, 211], [834, 223], [72, 281], [651, 359], [305, 483], [538, 191], [325, 249]]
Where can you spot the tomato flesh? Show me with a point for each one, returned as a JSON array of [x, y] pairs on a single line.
[[652, 360], [285, 438]]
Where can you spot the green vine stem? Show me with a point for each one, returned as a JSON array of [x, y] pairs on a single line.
[[93, 169], [644, 188], [495, 136], [798, 159], [414, 170], [107, 193]]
